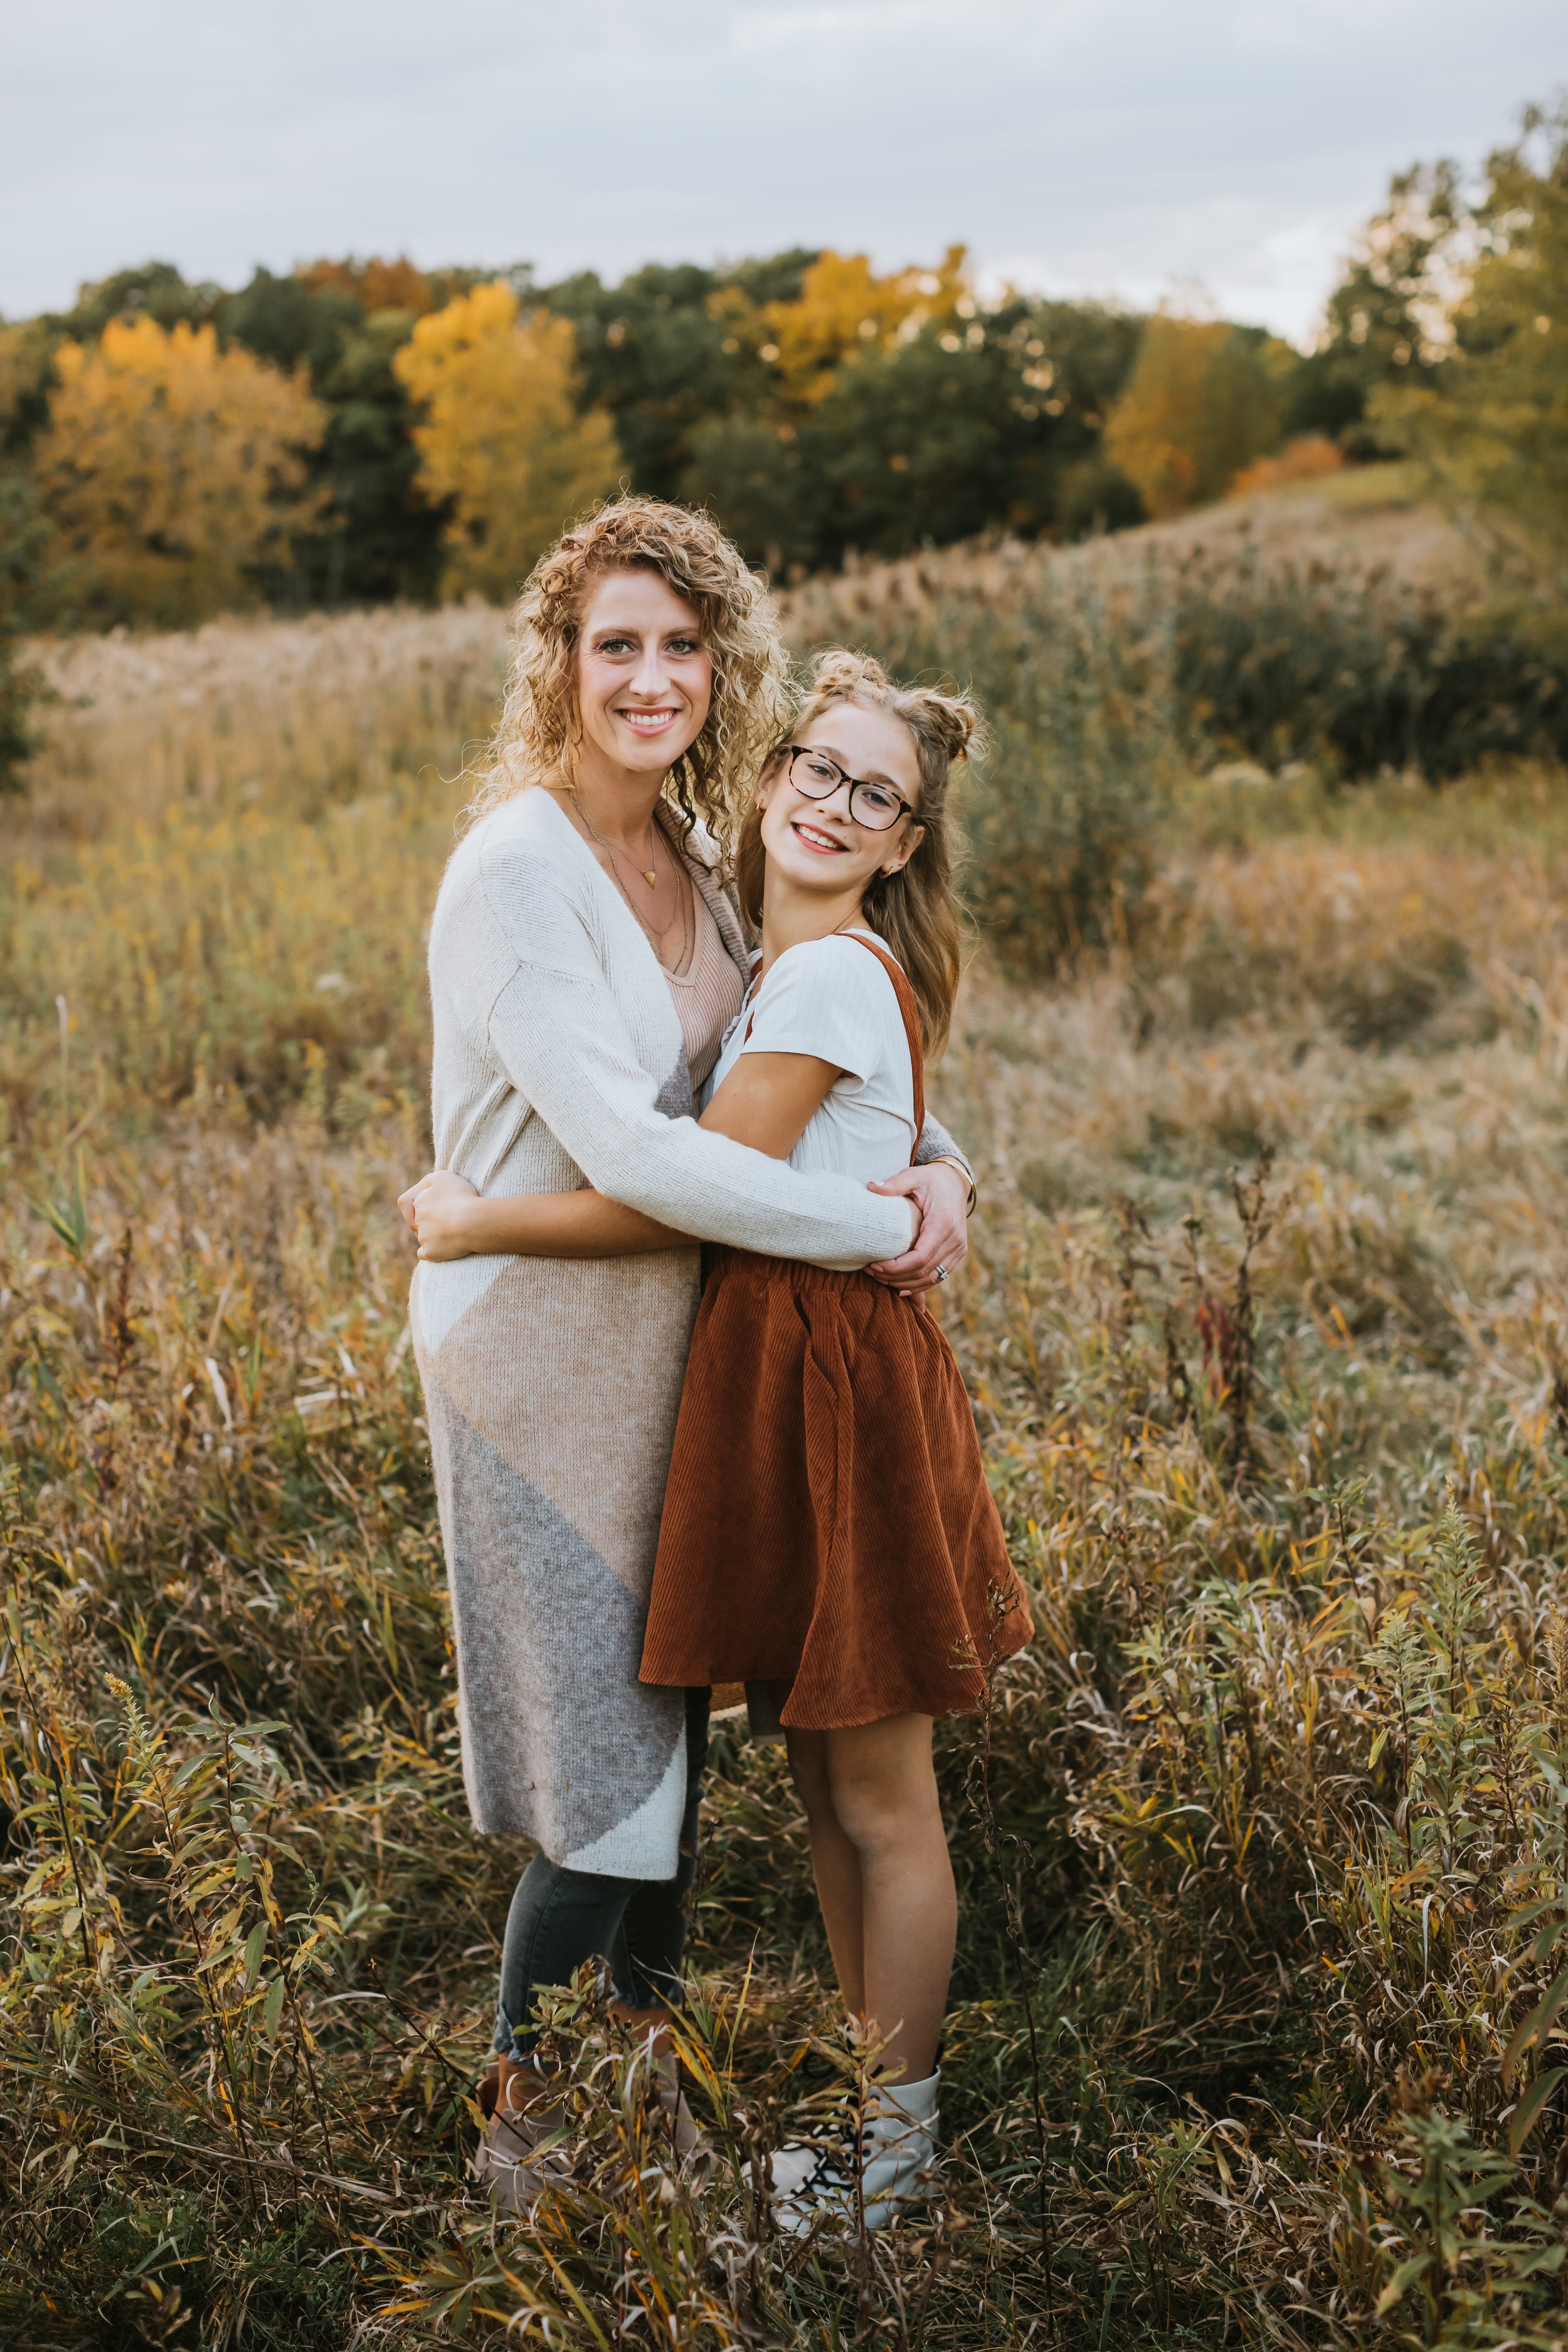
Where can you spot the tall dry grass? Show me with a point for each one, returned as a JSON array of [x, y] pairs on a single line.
[[289, 716], [1262, 1843]]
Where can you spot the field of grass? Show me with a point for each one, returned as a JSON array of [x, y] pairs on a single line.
[[1257, 2027]]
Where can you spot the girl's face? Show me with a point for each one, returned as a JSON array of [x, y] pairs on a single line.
[[645, 683], [817, 842]]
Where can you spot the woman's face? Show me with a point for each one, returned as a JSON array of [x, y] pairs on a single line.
[[816, 842], [645, 683]]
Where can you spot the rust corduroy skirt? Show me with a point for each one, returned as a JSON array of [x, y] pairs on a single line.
[[827, 1522]]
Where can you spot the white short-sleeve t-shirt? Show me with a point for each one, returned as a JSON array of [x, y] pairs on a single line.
[[834, 999]]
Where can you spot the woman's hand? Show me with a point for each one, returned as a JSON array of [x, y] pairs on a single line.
[[438, 1210], [941, 1241]]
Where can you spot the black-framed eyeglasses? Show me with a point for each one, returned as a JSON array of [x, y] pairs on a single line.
[[876, 806]]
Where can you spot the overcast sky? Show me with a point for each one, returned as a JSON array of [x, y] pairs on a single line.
[[1133, 148]]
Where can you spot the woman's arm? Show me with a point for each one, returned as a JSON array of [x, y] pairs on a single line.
[[766, 1102], [558, 1031]]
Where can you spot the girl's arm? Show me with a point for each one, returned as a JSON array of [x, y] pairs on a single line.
[[452, 1220], [766, 1102], [560, 1033]]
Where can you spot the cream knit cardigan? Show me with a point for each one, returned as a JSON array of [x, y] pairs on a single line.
[[551, 1385]]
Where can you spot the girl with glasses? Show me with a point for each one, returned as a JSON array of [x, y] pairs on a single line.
[[828, 1537]]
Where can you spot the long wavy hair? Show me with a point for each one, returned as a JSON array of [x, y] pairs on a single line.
[[917, 910], [541, 726]]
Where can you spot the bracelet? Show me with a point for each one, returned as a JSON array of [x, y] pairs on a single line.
[[948, 1160]]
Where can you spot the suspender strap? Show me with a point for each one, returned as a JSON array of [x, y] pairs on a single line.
[[911, 1020], [907, 1006]]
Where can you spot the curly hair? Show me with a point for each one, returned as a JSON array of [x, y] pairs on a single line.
[[917, 910], [540, 724]]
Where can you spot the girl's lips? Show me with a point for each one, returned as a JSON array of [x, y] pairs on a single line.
[[822, 843], [648, 722]]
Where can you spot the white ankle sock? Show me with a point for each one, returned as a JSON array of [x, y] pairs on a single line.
[[900, 2145]]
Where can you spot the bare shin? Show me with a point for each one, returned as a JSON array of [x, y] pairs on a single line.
[[884, 1878]]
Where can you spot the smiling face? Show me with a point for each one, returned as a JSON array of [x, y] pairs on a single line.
[[645, 682], [817, 845]]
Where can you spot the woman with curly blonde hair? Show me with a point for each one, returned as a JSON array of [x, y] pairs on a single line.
[[586, 958]]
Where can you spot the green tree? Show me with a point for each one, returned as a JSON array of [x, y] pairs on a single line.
[[663, 354], [27, 374], [379, 535], [26, 370], [1380, 320], [154, 290], [23, 536], [988, 418], [752, 475], [1491, 428]]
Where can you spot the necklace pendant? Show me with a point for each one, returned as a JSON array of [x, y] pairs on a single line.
[[649, 875]]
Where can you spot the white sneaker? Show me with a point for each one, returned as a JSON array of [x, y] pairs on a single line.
[[815, 2182]]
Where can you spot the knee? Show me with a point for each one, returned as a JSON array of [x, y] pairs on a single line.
[[879, 1814], [808, 1770]]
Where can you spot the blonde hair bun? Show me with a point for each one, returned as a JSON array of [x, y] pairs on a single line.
[[954, 722], [839, 675], [948, 721]]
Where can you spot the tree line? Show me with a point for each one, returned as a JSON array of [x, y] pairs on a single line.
[[358, 431], [361, 431]]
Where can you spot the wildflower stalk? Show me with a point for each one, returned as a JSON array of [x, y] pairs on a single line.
[[978, 1787]]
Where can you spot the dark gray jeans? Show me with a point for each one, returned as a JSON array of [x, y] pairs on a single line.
[[561, 1917]]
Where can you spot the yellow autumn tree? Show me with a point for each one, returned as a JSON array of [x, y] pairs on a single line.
[[1202, 403], [170, 471], [501, 435], [844, 307]]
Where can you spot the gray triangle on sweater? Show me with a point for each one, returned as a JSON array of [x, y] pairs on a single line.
[[675, 1098], [561, 1741]]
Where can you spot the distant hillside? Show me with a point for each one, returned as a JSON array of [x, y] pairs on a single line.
[[1369, 520]]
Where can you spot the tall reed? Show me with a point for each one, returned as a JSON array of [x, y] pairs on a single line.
[[1269, 1933]]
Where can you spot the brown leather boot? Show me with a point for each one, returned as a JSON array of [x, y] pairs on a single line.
[[522, 2148], [694, 2151]]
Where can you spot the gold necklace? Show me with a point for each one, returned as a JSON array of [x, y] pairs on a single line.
[[650, 875]]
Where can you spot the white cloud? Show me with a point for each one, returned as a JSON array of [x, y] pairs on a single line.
[[1114, 146]]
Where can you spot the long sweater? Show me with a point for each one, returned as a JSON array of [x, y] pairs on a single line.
[[551, 1385]]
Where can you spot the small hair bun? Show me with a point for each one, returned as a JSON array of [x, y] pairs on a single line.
[[954, 720], [838, 672], [948, 725]]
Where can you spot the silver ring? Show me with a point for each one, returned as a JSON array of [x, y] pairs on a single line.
[[941, 1273]]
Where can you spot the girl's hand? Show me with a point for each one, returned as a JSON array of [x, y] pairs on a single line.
[[405, 1203], [438, 1210]]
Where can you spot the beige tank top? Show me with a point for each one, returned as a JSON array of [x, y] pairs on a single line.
[[706, 994]]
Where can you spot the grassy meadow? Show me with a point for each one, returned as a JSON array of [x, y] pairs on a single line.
[[1257, 2031]]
